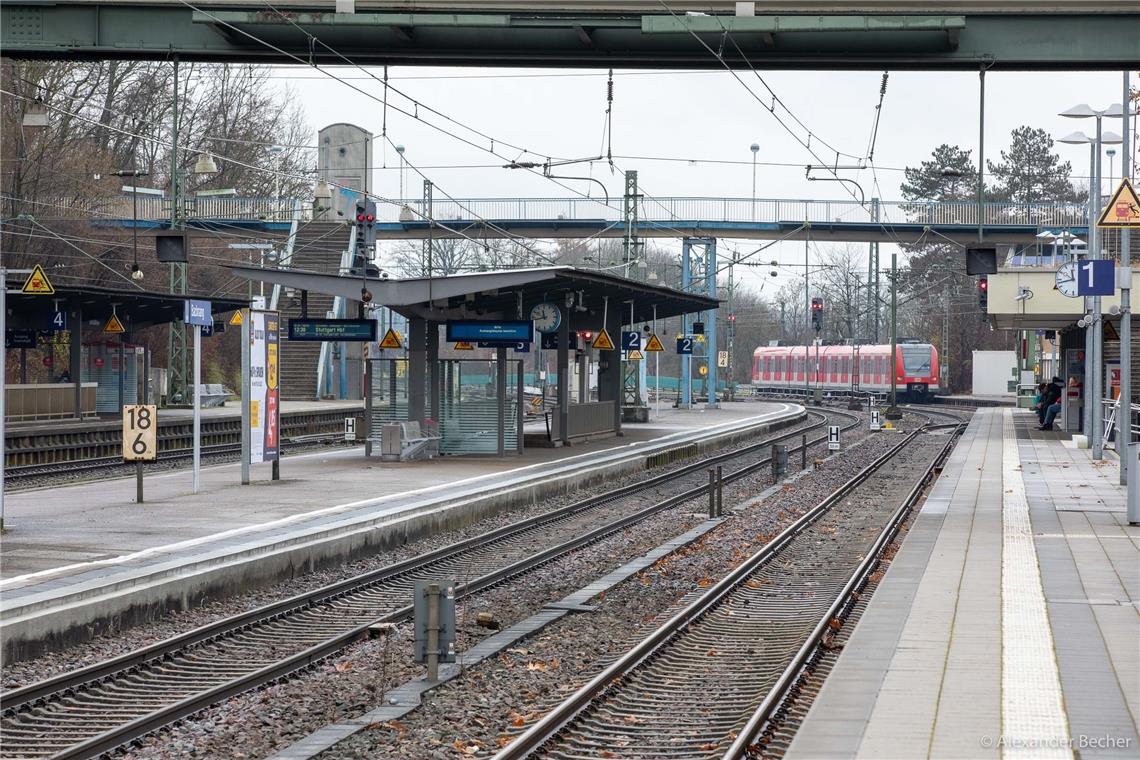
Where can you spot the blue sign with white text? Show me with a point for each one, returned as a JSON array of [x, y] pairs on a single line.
[[630, 341], [1096, 277], [476, 330], [198, 313], [685, 345]]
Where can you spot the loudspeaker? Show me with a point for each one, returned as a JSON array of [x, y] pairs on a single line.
[[172, 247], [981, 260]]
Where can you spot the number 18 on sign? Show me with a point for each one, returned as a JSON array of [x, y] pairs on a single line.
[[140, 442], [833, 438]]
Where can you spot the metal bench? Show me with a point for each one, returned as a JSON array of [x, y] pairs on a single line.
[[213, 394], [407, 440]]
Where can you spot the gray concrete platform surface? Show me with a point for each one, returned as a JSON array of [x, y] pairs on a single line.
[[78, 555], [1008, 624]]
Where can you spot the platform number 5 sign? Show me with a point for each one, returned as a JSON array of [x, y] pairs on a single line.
[[140, 425]]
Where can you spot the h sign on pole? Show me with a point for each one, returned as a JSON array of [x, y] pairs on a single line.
[[875, 425], [833, 438]]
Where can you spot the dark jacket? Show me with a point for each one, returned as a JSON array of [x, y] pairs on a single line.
[[1052, 394]]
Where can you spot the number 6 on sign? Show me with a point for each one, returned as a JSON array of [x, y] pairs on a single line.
[[140, 425]]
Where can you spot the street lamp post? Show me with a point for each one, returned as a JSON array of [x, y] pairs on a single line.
[[1093, 352], [1111, 153], [755, 148]]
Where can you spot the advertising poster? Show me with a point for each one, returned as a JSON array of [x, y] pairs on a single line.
[[272, 389], [264, 390]]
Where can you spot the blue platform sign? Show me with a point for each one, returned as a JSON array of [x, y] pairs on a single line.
[[485, 330], [55, 321], [198, 313], [685, 345], [1096, 277], [630, 340]]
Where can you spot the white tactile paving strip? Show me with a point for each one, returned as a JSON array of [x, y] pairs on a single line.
[[1034, 724]]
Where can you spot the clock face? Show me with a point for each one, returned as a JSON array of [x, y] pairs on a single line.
[[546, 317], [1067, 280]]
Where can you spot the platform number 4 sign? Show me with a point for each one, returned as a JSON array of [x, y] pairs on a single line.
[[140, 425], [833, 438]]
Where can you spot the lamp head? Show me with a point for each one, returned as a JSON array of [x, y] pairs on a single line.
[[1083, 111], [205, 164]]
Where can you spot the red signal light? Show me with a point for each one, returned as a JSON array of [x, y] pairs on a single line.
[[360, 217], [983, 284], [370, 218]]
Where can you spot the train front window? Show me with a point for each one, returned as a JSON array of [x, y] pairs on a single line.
[[916, 360]]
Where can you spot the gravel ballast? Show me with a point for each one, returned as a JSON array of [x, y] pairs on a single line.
[[258, 724]]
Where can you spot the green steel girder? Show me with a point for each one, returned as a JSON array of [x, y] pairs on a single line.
[[1003, 40]]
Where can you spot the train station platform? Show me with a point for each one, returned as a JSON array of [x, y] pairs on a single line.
[[75, 558], [1008, 623]]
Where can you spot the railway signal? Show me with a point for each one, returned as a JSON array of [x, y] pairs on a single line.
[[365, 224], [983, 292], [817, 314]]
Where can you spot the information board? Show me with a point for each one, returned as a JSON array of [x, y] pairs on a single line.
[[476, 330], [363, 330]]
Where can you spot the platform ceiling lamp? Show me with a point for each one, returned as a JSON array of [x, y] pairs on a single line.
[[205, 164], [36, 114]]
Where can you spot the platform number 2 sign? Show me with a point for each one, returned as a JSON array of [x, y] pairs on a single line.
[[140, 425]]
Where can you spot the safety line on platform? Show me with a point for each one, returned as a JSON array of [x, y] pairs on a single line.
[[1033, 719]]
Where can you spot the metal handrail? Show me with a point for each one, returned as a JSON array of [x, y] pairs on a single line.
[[286, 258], [1110, 411]]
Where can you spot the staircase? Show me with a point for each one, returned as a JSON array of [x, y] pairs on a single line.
[[317, 248]]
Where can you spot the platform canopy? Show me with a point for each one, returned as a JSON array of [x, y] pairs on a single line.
[[136, 309], [502, 294]]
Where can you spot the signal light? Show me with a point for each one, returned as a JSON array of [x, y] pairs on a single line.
[[983, 292], [817, 314]]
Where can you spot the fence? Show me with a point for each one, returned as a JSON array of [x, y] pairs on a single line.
[[660, 210]]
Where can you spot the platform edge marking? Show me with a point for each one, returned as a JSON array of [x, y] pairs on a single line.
[[1034, 722]]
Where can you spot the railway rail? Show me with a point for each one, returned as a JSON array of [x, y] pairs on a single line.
[[96, 709], [113, 466], [710, 680]]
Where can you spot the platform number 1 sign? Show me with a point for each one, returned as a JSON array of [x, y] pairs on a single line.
[[140, 425]]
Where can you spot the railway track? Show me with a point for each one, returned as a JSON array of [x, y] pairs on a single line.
[[96, 709], [710, 680], [22, 475]]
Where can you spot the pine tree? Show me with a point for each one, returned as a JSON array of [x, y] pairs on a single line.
[[949, 175], [1030, 171]]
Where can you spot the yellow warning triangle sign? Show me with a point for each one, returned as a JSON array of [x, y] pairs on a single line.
[[236, 318], [636, 356], [1123, 210], [603, 341], [114, 325], [391, 339], [38, 283], [654, 344], [464, 345]]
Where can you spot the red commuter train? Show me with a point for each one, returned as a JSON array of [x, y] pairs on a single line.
[[845, 368]]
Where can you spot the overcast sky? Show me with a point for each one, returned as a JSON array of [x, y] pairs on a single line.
[[696, 115]]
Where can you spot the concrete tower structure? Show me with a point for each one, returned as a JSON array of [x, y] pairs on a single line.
[[344, 161]]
